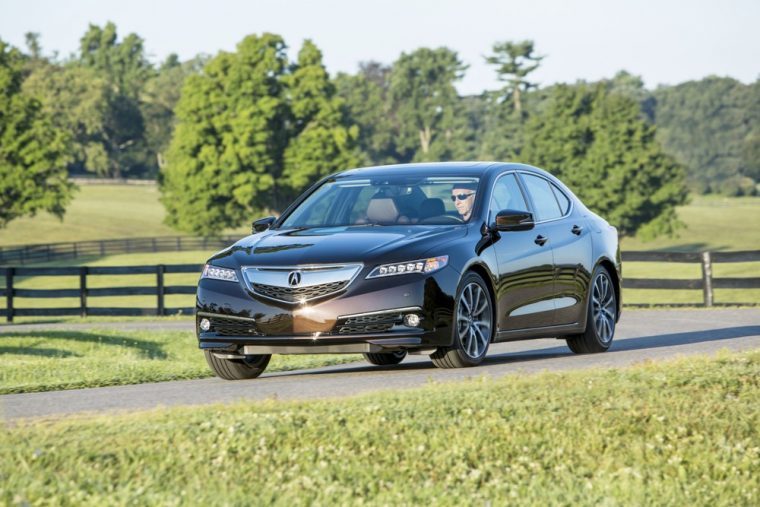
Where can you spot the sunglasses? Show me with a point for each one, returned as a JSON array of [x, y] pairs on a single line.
[[461, 197]]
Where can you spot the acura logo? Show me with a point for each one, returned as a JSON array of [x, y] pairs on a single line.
[[294, 278]]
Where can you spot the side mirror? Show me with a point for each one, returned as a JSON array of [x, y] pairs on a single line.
[[262, 224], [513, 220]]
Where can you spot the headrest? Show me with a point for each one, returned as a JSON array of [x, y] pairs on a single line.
[[432, 207], [382, 210]]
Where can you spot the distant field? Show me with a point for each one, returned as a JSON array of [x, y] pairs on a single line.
[[97, 212], [712, 223], [681, 432]]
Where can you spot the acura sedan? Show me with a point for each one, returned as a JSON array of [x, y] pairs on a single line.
[[438, 259]]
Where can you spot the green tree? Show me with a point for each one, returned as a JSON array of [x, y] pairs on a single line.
[[77, 100], [33, 153], [514, 61], [231, 130], [158, 100], [426, 103], [596, 141], [321, 142], [367, 101], [704, 125], [125, 68]]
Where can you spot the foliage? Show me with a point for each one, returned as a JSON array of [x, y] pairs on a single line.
[[514, 61], [426, 102], [598, 144], [678, 432], [253, 130], [33, 153], [78, 101], [705, 125]]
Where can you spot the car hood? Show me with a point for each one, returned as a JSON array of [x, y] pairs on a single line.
[[323, 245]]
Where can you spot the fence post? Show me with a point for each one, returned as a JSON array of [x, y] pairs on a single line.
[[76, 250], [9, 294], [83, 291], [707, 279], [160, 289], [179, 243], [153, 241], [102, 248]]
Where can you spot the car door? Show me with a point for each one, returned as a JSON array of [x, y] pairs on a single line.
[[570, 243], [525, 286]]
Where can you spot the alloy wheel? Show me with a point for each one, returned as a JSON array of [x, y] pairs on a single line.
[[474, 320], [603, 307]]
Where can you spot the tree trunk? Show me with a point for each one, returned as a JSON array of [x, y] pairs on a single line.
[[425, 135]]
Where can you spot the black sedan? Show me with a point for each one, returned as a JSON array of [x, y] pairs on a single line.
[[439, 259]]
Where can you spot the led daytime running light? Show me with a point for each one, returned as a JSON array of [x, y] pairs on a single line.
[[402, 268], [215, 273]]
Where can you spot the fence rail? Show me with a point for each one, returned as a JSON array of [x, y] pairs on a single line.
[[707, 283], [160, 290], [98, 248]]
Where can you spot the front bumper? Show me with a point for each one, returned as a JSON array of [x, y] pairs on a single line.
[[245, 323]]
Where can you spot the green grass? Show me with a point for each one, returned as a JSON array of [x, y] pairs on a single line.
[[98, 212], [712, 223], [674, 433], [53, 360]]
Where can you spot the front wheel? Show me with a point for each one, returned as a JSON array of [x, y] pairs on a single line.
[[601, 316], [473, 327], [237, 369], [385, 358]]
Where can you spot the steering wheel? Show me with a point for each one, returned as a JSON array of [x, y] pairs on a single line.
[[442, 219]]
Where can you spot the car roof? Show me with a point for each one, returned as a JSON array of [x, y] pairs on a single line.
[[436, 168]]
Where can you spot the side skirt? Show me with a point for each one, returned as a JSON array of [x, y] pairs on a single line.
[[540, 332]]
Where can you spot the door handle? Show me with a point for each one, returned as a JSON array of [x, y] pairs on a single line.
[[540, 240], [576, 230]]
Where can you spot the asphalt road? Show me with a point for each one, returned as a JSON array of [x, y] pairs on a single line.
[[641, 335]]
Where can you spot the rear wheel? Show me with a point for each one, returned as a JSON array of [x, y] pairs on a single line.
[[237, 369], [601, 316], [473, 327], [386, 358]]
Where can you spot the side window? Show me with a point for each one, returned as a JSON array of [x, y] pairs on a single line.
[[543, 198], [506, 195], [564, 202]]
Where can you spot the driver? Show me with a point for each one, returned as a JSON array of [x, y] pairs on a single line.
[[463, 195]]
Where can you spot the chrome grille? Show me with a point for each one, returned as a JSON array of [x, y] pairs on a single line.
[[298, 284], [297, 294]]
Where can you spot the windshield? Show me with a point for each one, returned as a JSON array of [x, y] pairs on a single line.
[[403, 200]]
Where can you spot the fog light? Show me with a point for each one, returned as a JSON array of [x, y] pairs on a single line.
[[205, 324], [411, 320]]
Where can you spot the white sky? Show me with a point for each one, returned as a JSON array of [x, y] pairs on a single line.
[[663, 41]]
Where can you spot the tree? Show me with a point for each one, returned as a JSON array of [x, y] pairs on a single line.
[[597, 142], [77, 101], [158, 100], [514, 61], [704, 125], [321, 141], [425, 101], [231, 130], [33, 153], [367, 103], [123, 65]]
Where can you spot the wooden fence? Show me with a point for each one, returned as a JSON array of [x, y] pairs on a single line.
[[84, 293], [707, 283], [98, 248]]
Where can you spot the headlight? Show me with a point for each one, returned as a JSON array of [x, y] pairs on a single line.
[[215, 273], [402, 268]]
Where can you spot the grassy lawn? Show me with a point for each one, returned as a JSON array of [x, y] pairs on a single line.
[[674, 433], [97, 212], [54, 360]]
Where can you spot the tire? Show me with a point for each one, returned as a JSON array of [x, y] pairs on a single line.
[[470, 339], [601, 316], [237, 369], [385, 358]]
